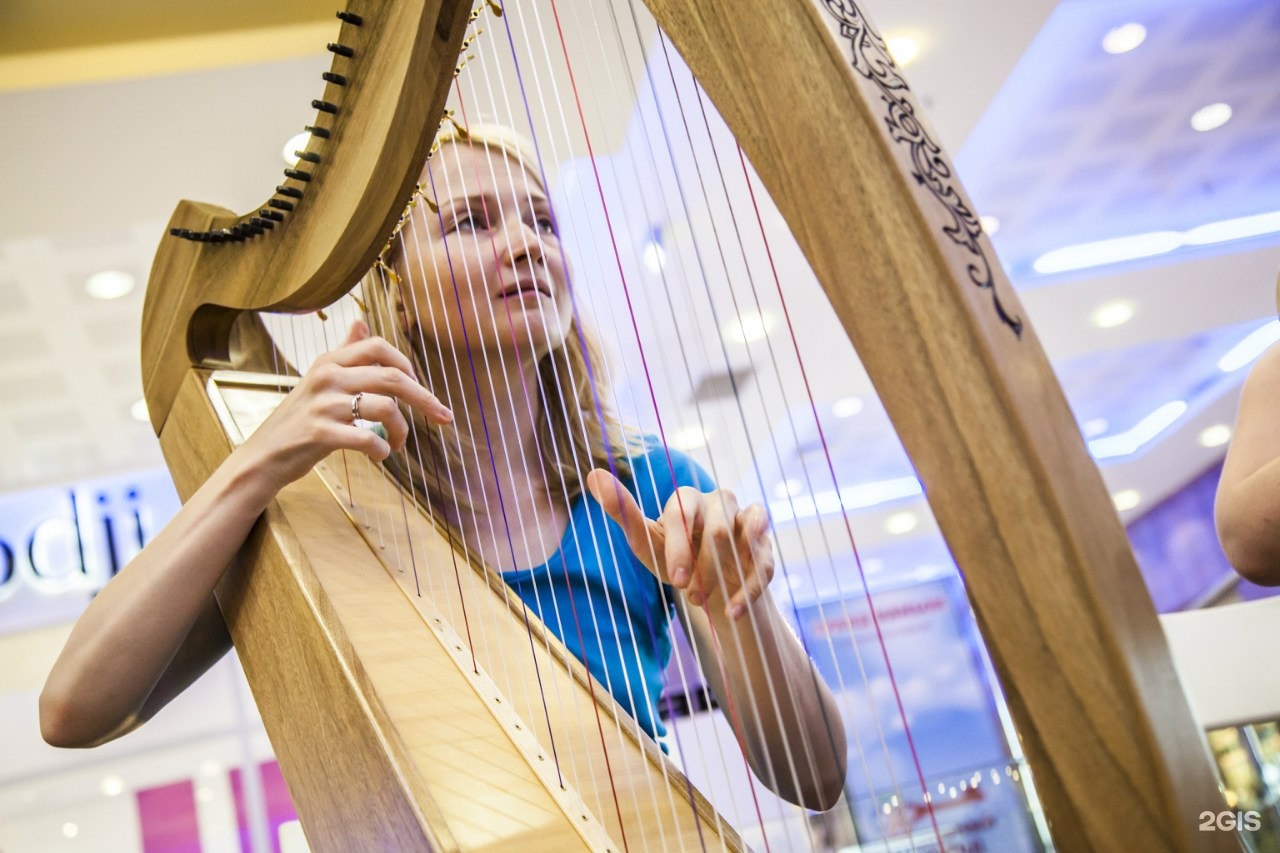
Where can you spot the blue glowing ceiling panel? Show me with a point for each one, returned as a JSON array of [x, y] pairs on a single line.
[[1081, 145]]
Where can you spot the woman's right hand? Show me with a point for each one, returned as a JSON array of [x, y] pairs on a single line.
[[315, 418]]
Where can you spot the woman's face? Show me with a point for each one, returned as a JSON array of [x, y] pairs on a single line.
[[486, 272]]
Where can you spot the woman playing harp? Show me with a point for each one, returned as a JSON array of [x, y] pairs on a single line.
[[487, 387]]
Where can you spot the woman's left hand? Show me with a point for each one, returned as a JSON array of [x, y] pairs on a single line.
[[702, 544]]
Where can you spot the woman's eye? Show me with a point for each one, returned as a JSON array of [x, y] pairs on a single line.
[[468, 222], [546, 226]]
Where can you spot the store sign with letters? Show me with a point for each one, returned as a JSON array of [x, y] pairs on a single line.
[[60, 545]]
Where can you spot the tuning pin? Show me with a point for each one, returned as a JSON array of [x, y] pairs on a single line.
[[308, 156], [325, 107], [321, 132], [289, 191], [351, 18], [297, 175], [262, 223], [280, 204], [271, 214], [340, 49], [336, 79]]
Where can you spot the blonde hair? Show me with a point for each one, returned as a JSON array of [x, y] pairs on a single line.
[[575, 429]]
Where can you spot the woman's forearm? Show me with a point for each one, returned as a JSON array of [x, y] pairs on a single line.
[[782, 711], [130, 632]]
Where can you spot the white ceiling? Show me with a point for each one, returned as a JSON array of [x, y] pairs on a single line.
[[92, 170]]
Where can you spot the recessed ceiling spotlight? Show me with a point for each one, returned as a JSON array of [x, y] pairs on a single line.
[[751, 326], [689, 438], [210, 767], [847, 407], [901, 522], [1211, 117], [788, 488], [1215, 436], [139, 411], [1126, 499], [903, 49], [989, 224], [1112, 314], [112, 785], [1095, 427], [70, 830], [295, 144], [1124, 38], [109, 284], [653, 256]]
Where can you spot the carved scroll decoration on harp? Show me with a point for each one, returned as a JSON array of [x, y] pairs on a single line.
[[373, 764]]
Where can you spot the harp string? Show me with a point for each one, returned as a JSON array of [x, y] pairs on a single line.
[[799, 360], [559, 110], [785, 679], [502, 214], [734, 713], [559, 384], [662, 366], [572, 522], [571, 531], [702, 185]]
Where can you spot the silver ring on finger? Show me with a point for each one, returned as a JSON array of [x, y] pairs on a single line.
[[355, 407]]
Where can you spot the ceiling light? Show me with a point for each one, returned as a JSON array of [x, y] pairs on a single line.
[[748, 327], [1095, 427], [1254, 345], [1137, 246], [903, 49], [788, 488], [1211, 117], [139, 411], [1124, 38], [112, 785], [989, 224], [653, 256], [1112, 314], [847, 407], [829, 501], [210, 767], [1240, 228], [204, 794], [1084, 255], [109, 284], [1215, 436], [70, 830], [901, 522], [1134, 438], [1126, 499], [688, 438], [291, 148]]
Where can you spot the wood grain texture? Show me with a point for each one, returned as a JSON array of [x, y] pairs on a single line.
[[840, 143], [381, 740], [398, 80]]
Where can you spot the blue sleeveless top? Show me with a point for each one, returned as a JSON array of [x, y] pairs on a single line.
[[607, 608]]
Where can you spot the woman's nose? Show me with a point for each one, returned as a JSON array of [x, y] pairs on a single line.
[[521, 243]]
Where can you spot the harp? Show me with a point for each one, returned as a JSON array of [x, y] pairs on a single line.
[[390, 734]]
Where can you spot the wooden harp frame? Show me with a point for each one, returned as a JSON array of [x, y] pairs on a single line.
[[1117, 757]]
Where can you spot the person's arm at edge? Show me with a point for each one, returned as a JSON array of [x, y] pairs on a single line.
[[1247, 507]]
